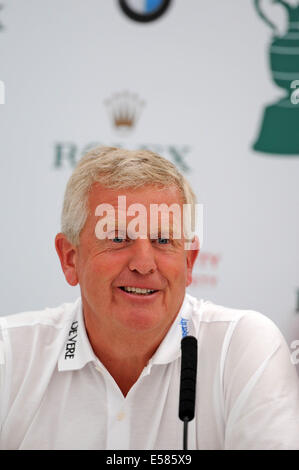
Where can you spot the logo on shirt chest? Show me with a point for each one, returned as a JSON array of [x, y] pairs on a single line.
[[70, 346]]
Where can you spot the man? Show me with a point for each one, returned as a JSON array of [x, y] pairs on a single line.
[[104, 372]]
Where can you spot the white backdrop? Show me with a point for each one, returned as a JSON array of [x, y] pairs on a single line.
[[202, 71]]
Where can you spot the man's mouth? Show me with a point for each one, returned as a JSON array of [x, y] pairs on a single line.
[[137, 290]]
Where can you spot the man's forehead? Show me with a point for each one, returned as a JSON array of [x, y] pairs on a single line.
[[147, 194], [139, 211]]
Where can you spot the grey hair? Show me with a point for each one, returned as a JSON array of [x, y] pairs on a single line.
[[116, 168]]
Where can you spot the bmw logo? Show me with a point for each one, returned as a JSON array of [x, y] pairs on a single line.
[[144, 10]]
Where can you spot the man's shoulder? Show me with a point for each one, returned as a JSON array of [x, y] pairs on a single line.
[[55, 317], [240, 332], [33, 339], [207, 311]]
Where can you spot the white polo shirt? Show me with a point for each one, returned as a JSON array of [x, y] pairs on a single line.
[[56, 394]]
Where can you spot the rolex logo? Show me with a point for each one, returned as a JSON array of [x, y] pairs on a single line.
[[124, 110]]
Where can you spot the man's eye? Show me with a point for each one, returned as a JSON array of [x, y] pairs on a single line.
[[163, 241], [118, 240]]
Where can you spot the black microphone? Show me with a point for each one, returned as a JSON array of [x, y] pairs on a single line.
[[188, 382]]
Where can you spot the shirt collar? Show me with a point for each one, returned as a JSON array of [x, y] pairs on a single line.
[[77, 350], [170, 348]]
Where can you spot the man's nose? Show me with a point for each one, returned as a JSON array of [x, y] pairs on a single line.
[[142, 258]]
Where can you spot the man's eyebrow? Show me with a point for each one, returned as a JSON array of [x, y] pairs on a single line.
[[172, 231], [170, 226]]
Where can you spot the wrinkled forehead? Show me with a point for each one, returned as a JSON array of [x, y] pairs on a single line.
[[150, 208], [153, 218], [147, 194]]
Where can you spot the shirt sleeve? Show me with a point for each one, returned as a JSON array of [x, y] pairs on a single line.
[[261, 388]]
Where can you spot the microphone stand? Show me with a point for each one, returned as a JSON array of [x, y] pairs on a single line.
[[187, 383]]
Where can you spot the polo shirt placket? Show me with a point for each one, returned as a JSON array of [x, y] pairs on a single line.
[[120, 410]]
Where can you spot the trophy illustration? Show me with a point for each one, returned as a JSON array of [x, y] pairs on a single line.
[[279, 133]]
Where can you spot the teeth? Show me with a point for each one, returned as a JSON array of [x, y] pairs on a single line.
[[137, 290]]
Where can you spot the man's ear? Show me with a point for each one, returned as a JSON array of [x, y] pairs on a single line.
[[191, 255], [67, 255]]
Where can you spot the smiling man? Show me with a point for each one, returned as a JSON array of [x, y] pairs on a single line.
[[104, 372], [131, 289]]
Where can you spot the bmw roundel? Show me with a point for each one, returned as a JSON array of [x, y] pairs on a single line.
[[144, 10]]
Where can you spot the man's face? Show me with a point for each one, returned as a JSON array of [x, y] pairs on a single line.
[[106, 268]]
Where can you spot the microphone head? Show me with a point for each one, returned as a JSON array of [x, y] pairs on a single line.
[[188, 378]]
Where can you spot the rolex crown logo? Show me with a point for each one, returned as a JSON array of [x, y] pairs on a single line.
[[124, 110]]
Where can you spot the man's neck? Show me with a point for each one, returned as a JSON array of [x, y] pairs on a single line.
[[123, 355], [124, 371]]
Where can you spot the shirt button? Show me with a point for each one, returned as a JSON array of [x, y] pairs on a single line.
[[121, 415]]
